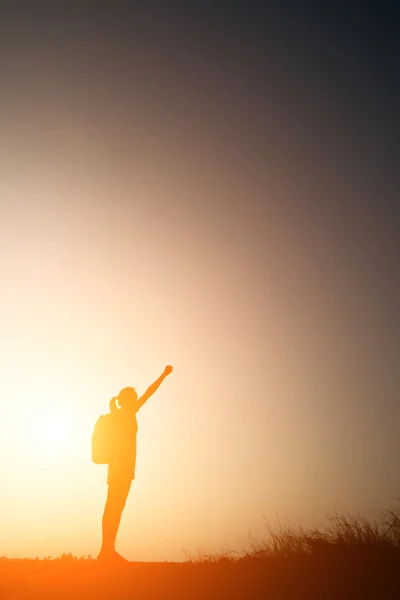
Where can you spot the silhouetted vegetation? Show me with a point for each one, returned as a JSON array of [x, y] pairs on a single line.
[[351, 557], [342, 535]]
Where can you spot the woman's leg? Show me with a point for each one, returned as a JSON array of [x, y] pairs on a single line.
[[118, 490]]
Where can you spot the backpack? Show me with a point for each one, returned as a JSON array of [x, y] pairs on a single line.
[[104, 437]]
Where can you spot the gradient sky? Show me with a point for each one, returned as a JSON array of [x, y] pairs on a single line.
[[211, 186]]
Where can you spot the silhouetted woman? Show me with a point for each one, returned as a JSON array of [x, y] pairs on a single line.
[[121, 470]]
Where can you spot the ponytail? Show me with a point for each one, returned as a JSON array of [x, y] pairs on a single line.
[[113, 405]]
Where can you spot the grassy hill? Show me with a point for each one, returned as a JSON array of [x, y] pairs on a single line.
[[352, 558]]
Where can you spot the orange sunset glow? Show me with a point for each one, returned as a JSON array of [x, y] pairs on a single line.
[[208, 188]]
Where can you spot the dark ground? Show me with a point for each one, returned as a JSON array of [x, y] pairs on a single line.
[[297, 579]]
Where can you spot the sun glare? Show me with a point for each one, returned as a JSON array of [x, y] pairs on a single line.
[[51, 432]]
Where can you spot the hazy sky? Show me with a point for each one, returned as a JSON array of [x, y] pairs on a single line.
[[211, 186]]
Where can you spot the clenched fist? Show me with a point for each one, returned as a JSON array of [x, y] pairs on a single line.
[[168, 370]]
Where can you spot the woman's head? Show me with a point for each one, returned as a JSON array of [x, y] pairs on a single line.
[[127, 397]]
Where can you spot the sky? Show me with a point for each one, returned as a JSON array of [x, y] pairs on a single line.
[[212, 186]]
